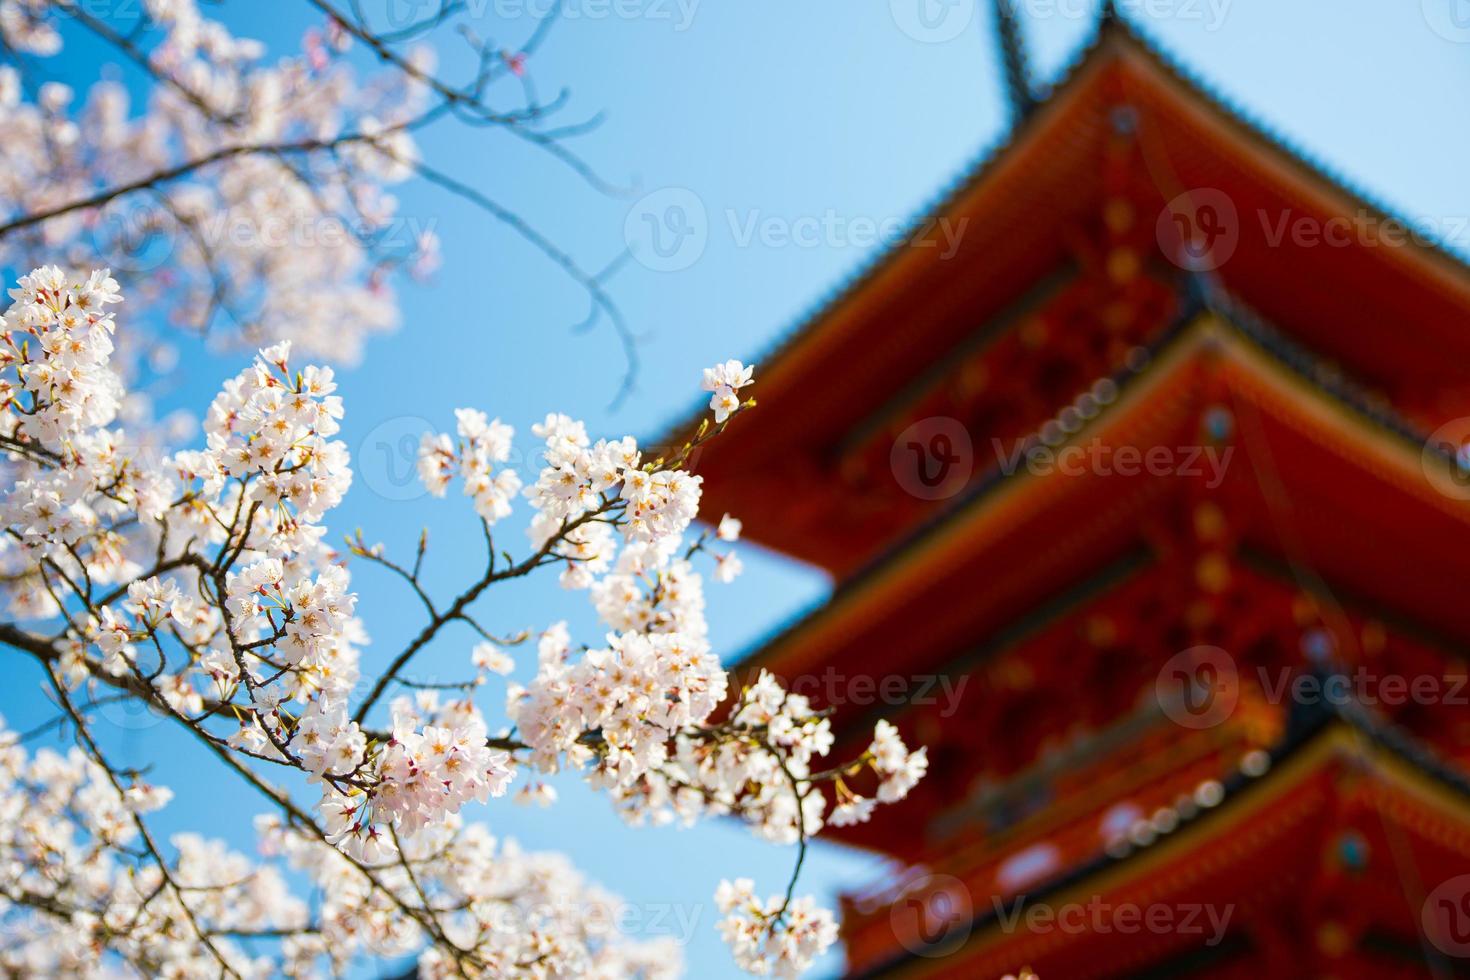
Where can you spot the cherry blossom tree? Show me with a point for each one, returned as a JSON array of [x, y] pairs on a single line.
[[203, 584], [249, 199], [201, 581]]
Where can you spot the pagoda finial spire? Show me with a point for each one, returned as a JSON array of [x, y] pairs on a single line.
[[1019, 94]]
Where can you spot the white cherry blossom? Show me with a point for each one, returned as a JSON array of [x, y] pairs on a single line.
[[202, 583]]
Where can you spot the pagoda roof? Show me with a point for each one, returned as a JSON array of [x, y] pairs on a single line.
[[1116, 40], [1014, 540], [1031, 211], [1067, 707], [1342, 811]]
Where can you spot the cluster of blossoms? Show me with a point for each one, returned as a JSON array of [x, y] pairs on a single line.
[[269, 432], [70, 386], [759, 765], [638, 694], [428, 768], [582, 481], [482, 444], [502, 911], [74, 902], [762, 950], [203, 586], [897, 769], [724, 380], [283, 243], [72, 479]]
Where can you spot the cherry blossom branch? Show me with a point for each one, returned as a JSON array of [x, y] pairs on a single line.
[[140, 59], [592, 284], [84, 735], [242, 612], [468, 101], [184, 169], [456, 609], [106, 193]]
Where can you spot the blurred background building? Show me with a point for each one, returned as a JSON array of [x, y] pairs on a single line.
[[1139, 467]]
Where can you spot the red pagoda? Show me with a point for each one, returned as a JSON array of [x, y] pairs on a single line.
[[1147, 467]]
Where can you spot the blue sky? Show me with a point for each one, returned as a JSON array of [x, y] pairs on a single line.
[[796, 114]]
